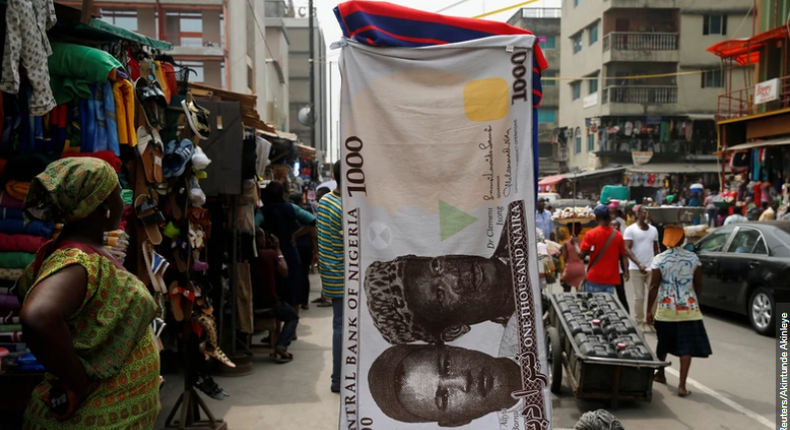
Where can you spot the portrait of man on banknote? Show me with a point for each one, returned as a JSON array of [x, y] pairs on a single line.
[[444, 384], [438, 299]]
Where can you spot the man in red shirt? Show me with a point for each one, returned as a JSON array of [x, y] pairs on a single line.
[[266, 267], [607, 251]]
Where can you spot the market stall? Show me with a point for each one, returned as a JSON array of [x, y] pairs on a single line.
[[182, 162]]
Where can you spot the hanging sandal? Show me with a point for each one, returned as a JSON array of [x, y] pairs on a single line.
[[145, 149], [196, 194], [199, 159], [212, 347], [182, 254], [197, 117], [150, 217], [171, 231], [153, 102], [176, 295], [157, 266], [207, 385]]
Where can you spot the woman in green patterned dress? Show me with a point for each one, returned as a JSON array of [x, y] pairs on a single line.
[[85, 318]]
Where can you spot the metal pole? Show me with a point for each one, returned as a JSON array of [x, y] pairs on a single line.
[[311, 61], [331, 109], [234, 283]]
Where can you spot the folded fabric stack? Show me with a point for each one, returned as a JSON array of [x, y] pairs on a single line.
[[10, 329]]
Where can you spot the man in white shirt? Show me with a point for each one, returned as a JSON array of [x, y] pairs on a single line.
[[642, 240]]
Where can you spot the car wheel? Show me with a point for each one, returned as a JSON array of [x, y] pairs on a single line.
[[761, 311]]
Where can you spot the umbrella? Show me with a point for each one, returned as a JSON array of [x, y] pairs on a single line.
[[329, 184], [697, 187]]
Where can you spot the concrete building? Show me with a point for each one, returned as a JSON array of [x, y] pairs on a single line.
[[754, 110], [277, 69], [545, 24], [640, 100], [299, 79], [230, 53]]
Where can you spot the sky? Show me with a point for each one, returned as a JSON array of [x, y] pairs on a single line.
[[469, 8], [332, 33]]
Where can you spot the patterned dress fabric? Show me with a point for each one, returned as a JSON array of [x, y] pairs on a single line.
[[26, 44], [677, 300], [113, 340]]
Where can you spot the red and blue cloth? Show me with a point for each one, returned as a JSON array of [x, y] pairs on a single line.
[[388, 25]]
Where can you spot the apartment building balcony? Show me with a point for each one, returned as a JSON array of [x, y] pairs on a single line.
[[197, 51], [647, 4], [641, 99], [741, 103], [641, 47]]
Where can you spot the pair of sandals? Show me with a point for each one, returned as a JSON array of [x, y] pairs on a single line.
[[197, 117], [152, 151]]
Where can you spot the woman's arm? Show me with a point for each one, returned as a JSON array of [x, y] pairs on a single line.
[[652, 294], [43, 319], [282, 265]]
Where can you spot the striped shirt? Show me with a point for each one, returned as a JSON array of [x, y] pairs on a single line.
[[331, 263]]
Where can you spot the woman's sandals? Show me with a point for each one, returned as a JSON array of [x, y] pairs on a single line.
[[210, 346]]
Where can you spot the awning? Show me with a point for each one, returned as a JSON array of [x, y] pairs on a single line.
[[747, 51], [98, 30], [551, 180], [248, 102], [591, 173], [303, 151], [751, 145], [669, 168], [702, 116]]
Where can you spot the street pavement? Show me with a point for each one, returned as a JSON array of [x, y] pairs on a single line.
[[731, 390]]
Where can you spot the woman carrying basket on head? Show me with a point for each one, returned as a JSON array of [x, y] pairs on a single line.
[[676, 284]]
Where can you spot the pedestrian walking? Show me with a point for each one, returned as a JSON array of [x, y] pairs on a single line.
[[712, 210], [573, 275], [606, 249], [544, 221], [306, 248], [620, 289], [642, 240], [675, 287], [331, 266]]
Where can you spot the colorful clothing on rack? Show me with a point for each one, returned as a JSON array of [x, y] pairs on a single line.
[[123, 93], [113, 340], [27, 44]]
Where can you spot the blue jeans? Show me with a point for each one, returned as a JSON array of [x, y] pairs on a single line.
[[286, 313], [337, 340], [592, 287]]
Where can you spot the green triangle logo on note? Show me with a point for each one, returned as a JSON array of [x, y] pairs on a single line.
[[452, 220]]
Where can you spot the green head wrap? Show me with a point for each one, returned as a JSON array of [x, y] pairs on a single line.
[[70, 189]]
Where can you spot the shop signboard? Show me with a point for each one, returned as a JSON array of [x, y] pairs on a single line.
[[766, 91], [641, 157], [442, 314], [590, 101]]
